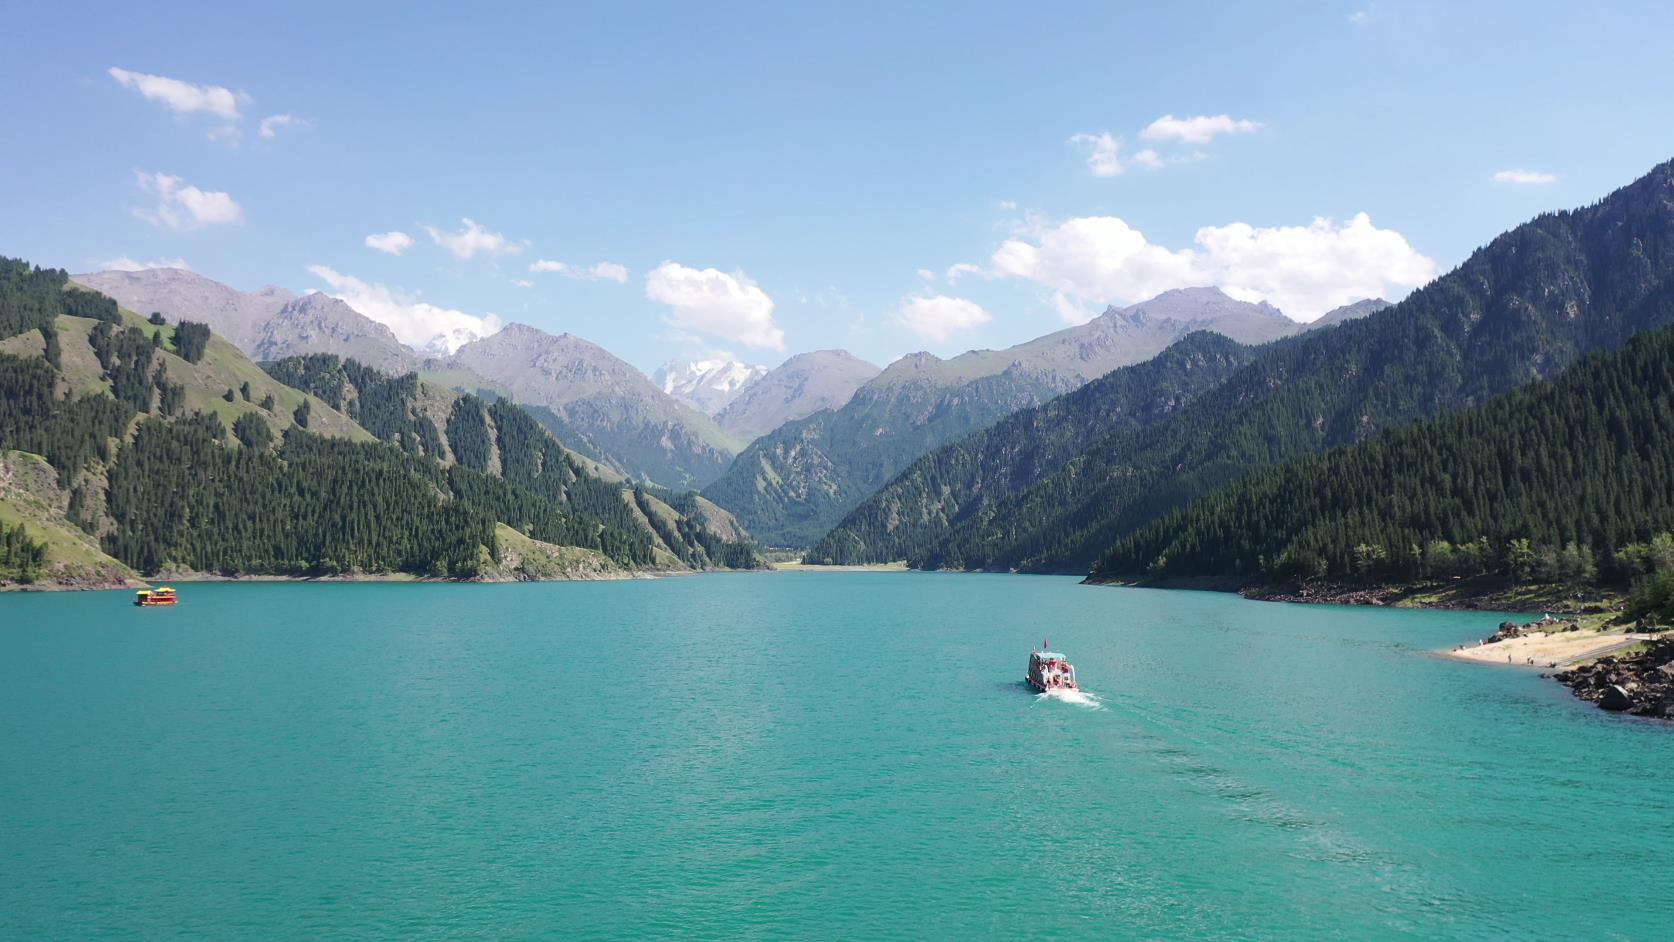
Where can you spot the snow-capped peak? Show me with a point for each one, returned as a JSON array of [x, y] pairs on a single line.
[[449, 341], [706, 385]]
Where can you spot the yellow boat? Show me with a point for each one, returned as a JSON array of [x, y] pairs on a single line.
[[162, 595]]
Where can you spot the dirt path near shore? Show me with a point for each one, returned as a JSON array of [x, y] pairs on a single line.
[[1548, 650]]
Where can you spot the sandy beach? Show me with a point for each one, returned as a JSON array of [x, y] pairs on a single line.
[[1548, 650]]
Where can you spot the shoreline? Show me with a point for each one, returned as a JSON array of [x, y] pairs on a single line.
[[1616, 668], [54, 585], [198, 578], [1482, 594]]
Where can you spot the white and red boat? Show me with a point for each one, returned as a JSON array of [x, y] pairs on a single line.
[[1049, 670]]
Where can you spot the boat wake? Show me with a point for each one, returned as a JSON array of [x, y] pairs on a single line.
[[1081, 698]]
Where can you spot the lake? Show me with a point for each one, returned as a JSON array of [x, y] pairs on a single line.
[[803, 755]]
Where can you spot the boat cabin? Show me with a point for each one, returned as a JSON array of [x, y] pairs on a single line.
[[162, 595], [1049, 670]]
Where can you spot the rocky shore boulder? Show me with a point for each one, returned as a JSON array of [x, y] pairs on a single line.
[[1641, 684]]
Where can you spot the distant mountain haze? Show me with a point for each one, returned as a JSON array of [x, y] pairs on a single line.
[[797, 388]]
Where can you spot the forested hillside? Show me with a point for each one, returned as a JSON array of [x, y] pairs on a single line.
[[485, 442], [1522, 308], [1568, 480], [913, 514], [169, 450]]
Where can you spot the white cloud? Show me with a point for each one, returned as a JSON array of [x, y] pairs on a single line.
[[228, 134], [958, 269], [1519, 177], [1308, 270], [183, 206], [1148, 158], [393, 242], [125, 263], [472, 239], [1094, 258], [183, 97], [714, 302], [271, 124], [1008, 204], [599, 271], [610, 271], [1105, 156], [939, 317], [1199, 129], [1303, 270], [418, 324], [523, 282]]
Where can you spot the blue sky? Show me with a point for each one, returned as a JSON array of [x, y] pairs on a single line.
[[766, 179]]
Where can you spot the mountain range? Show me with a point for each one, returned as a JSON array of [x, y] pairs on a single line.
[[1521, 309], [818, 433], [793, 484]]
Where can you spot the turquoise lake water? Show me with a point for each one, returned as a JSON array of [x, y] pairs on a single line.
[[803, 756]]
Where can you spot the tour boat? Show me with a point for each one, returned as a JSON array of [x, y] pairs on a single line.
[[1049, 670], [162, 595]]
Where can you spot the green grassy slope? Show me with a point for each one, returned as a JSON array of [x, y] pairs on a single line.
[[29, 495]]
